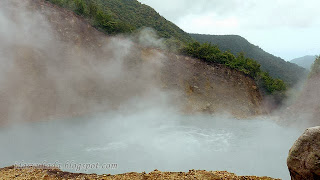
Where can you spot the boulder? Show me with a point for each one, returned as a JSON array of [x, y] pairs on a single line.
[[304, 156]]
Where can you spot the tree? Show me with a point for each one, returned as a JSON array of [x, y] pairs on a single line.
[[80, 7], [102, 19], [92, 9], [315, 68]]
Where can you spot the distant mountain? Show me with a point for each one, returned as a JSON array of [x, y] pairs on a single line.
[[275, 66], [305, 61]]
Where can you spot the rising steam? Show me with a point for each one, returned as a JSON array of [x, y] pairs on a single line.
[[51, 77], [108, 104]]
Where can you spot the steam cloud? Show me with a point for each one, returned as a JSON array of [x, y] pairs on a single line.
[[106, 98], [44, 76]]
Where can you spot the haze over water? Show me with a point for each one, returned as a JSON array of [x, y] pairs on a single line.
[[153, 139]]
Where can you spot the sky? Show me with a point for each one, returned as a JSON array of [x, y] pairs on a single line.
[[285, 28]]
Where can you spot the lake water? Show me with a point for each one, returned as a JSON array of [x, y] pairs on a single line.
[[152, 139]]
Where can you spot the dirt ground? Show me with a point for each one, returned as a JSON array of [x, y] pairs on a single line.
[[54, 174]]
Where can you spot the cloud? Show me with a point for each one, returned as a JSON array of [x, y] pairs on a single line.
[[209, 22], [255, 20], [175, 10], [259, 13]]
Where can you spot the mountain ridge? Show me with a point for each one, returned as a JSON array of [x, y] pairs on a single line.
[[305, 61], [275, 66], [122, 16]]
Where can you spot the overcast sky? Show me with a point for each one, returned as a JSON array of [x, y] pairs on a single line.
[[285, 28]]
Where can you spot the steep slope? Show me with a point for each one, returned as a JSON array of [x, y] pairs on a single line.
[[212, 88], [59, 66], [124, 15], [277, 67], [305, 61]]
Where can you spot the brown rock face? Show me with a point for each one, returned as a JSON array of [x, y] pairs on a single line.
[[304, 156]]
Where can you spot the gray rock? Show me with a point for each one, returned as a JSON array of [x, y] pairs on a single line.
[[304, 156]]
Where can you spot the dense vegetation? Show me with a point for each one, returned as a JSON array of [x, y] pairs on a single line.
[[290, 73], [123, 16], [315, 68], [212, 54], [126, 16]]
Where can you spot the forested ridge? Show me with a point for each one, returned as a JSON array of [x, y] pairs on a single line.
[[123, 16], [127, 16], [290, 73]]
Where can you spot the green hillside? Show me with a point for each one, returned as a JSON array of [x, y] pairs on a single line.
[[123, 16], [275, 66], [126, 16]]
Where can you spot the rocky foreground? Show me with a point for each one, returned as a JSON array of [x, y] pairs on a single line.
[[304, 156], [48, 174]]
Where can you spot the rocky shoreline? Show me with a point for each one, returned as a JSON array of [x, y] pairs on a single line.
[[53, 174]]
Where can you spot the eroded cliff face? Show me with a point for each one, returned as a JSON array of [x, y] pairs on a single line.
[[55, 65], [212, 88]]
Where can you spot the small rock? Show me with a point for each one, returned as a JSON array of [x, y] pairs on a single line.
[[254, 87]]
